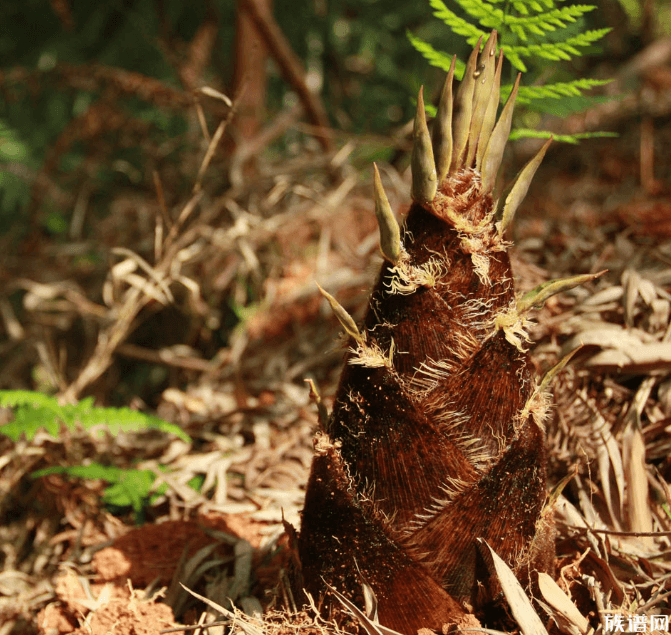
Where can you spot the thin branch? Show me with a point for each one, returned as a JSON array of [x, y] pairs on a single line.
[[291, 67]]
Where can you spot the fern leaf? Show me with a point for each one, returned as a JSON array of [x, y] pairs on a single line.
[[116, 420], [487, 15], [534, 5], [29, 420], [36, 411], [16, 398], [457, 24], [127, 488], [84, 405], [436, 58], [542, 23], [134, 489], [528, 133], [556, 50], [528, 94], [539, 24], [108, 473]]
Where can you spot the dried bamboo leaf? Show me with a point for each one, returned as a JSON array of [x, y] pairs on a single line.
[[573, 621], [605, 296], [609, 582], [520, 605], [242, 570], [635, 360], [635, 287], [371, 626], [246, 626], [638, 502], [251, 606], [609, 335], [568, 513], [189, 571], [608, 455], [585, 499], [556, 492]]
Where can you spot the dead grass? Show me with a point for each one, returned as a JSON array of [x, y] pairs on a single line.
[[242, 398]]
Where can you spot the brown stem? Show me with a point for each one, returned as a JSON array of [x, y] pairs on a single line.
[[290, 66]]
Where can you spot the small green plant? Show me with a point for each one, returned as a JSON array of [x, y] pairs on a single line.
[[127, 487], [134, 488], [530, 33], [34, 411]]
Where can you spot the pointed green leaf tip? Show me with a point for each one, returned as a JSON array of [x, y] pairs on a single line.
[[345, 319], [549, 377], [442, 126], [538, 295], [390, 232], [483, 92], [491, 160], [424, 177], [520, 188], [489, 120], [463, 109]]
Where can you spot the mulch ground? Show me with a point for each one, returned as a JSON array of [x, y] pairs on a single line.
[[244, 264]]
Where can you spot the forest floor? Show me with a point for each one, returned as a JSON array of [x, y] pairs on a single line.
[[74, 559]]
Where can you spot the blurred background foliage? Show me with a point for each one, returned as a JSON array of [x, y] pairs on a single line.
[[356, 52], [356, 55], [99, 104]]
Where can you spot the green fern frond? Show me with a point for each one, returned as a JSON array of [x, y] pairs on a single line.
[[458, 25], [34, 411], [488, 16], [539, 24], [127, 487], [116, 420], [521, 26], [528, 133], [543, 23], [29, 420], [524, 5], [17, 398], [527, 94], [527, 29], [436, 58], [556, 51]]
